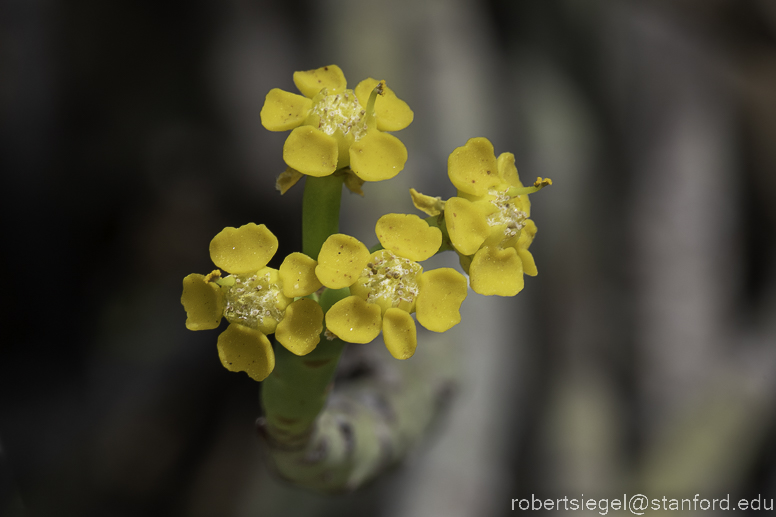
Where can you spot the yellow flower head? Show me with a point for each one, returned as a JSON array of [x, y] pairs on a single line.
[[334, 127], [488, 222], [256, 300], [388, 285]]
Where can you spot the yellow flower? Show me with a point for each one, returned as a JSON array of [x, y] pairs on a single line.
[[488, 222], [256, 300], [388, 285], [334, 127]]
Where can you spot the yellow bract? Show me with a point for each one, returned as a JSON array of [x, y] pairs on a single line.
[[297, 273], [301, 327], [246, 350], [354, 320], [287, 179], [340, 261], [409, 236], [243, 250], [428, 204], [203, 302], [442, 291]]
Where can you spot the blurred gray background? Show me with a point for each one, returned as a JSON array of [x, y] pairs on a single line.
[[641, 359]]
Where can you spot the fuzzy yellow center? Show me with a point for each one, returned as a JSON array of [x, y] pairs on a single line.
[[254, 301], [390, 281], [506, 214], [341, 111]]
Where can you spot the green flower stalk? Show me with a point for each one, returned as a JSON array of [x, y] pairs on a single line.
[[335, 291]]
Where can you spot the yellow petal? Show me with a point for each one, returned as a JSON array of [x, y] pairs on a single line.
[[243, 349], [473, 168], [442, 291], [203, 302], [527, 234], [341, 261], [297, 274], [430, 205], [311, 82], [399, 333], [377, 156], [507, 170], [354, 320], [393, 114], [300, 330], [284, 110], [311, 151], [287, 179], [243, 250], [496, 272], [408, 236], [467, 225], [529, 265]]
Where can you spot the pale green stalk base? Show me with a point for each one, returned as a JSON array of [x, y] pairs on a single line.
[[370, 421]]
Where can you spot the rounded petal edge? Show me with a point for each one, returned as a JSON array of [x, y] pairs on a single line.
[[442, 291], [243, 250], [203, 302], [399, 333], [297, 273], [377, 156], [393, 114], [467, 225], [310, 82], [496, 272], [341, 261], [311, 151], [409, 236], [473, 168], [354, 320], [300, 330], [284, 110], [242, 349]]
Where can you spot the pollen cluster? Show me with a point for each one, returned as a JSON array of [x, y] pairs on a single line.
[[255, 301], [341, 111], [389, 281], [506, 214]]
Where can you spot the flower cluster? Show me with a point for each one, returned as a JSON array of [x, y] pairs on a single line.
[[337, 131], [488, 221], [334, 127], [256, 300], [388, 285]]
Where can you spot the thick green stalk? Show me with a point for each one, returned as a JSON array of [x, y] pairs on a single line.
[[320, 211], [337, 440], [296, 392]]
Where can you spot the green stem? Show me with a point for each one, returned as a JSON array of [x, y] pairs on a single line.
[[296, 392], [320, 211]]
